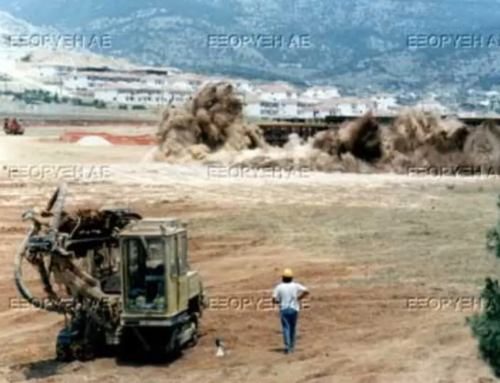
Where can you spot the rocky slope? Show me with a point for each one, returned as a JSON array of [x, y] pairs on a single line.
[[353, 43]]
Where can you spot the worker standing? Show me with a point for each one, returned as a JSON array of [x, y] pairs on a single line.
[[288, 295]]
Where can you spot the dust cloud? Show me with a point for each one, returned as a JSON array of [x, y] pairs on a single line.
[[210, 129]]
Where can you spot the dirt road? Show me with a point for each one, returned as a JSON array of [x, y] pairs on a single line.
[[394, 265]]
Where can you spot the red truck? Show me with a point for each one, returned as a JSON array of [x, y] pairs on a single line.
[[13, 127]]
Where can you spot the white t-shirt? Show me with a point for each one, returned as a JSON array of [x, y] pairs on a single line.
[[287, 295]]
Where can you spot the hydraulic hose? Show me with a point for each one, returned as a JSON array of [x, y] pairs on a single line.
[[21, 287]]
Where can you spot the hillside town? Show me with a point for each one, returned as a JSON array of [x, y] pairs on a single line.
[[145, 88]]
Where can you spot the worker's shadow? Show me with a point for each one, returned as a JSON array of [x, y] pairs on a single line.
[[151, 360], [50, 367], [154, 360], [278, 350]]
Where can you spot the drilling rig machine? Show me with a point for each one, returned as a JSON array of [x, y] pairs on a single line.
[[126, 284]]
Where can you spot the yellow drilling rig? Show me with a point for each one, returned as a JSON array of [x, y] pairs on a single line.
[[125, 284]]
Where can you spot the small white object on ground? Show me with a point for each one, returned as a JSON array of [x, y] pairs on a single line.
[[220, 348], [93, 141]]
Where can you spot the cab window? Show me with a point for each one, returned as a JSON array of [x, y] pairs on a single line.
[[182, 253], [172, 254], [145, 274]]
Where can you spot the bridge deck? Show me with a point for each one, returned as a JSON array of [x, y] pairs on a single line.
[[277, 132]]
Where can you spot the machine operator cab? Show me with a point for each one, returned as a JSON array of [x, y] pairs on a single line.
[[155, 270]]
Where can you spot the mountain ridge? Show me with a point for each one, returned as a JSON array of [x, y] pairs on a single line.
[[355, 43]]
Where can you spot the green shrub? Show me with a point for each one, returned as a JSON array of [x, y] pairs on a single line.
[[485, 326]]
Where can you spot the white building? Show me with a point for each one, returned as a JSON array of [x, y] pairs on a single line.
[[278, 91], [177, 95], [240, 86], [140, 95], [385, 102], [155, 81], [321, 93], [126, 95], [269, 106], [151, 70], [244, 86], [343, 107], [88, 80], [432, 105], [51, 70], [187, 80], [180, 85], [322, 109], [306, 107], [288, 107], [266, 106], [252, 106]]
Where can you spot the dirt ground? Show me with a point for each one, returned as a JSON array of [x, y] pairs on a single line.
[[367, 246]]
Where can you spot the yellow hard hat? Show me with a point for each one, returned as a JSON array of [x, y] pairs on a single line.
[[288, 273]]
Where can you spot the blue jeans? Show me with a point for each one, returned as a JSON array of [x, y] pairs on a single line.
[[289, 325]]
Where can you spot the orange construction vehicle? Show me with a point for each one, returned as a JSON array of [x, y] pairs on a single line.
[[12, 128]]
